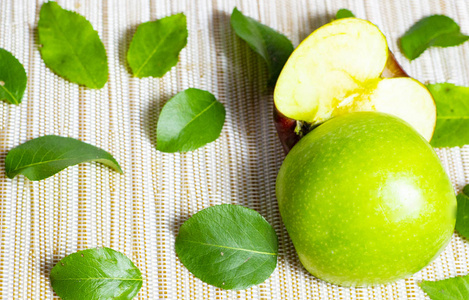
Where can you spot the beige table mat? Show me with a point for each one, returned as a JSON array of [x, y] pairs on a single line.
[[139, 213]]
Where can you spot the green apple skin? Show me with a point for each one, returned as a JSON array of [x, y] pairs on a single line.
[[365, 200]]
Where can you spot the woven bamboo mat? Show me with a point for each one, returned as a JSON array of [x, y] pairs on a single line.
[[139, 213]]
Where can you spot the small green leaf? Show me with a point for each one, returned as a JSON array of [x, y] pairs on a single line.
[[273, 47], [462, 219], [455, 288], [45, 156], [155, 47], [71, 47], [228, 246], [344, 13], [436, 30], [99, 273], [452, 110], [188, 121], [12, 78]]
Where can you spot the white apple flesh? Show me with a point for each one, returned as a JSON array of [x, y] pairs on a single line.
[[341, 68]]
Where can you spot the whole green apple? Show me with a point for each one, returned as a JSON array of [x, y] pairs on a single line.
[[365, 200]]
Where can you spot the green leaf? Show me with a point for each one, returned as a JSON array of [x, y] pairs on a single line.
[[228, 246], [462, 219], [273, 47], [436, 30], [45, 156], [455, 288], [344, 13], [71, 47], [188, 121], [99, 273], [452, 109], [12, 78], [155, 47]]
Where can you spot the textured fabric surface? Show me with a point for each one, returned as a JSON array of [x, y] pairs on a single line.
[[139, 212]]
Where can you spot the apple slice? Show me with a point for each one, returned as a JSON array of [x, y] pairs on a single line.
[[341, 68], [408, 99], [290, 132]]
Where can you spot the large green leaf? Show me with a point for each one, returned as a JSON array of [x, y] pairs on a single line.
[[436, 30], [71, 47], [45, 156], [155, 47], [462, 219], [452, 123], [456, 288], [273, 47], [228, 246], [12, 78], [99, 273], [189, 120]]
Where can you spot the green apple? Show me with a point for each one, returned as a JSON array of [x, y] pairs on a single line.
[[342, 67], [365, 200]]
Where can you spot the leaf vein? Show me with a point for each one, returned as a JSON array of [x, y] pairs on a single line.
[[232, 248], [197, 116], [157, 46], [48, 161], [11, 95]]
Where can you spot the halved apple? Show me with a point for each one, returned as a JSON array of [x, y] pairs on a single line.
[[344, 66]]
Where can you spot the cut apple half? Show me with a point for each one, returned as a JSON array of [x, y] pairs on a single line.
[[341, 68]]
